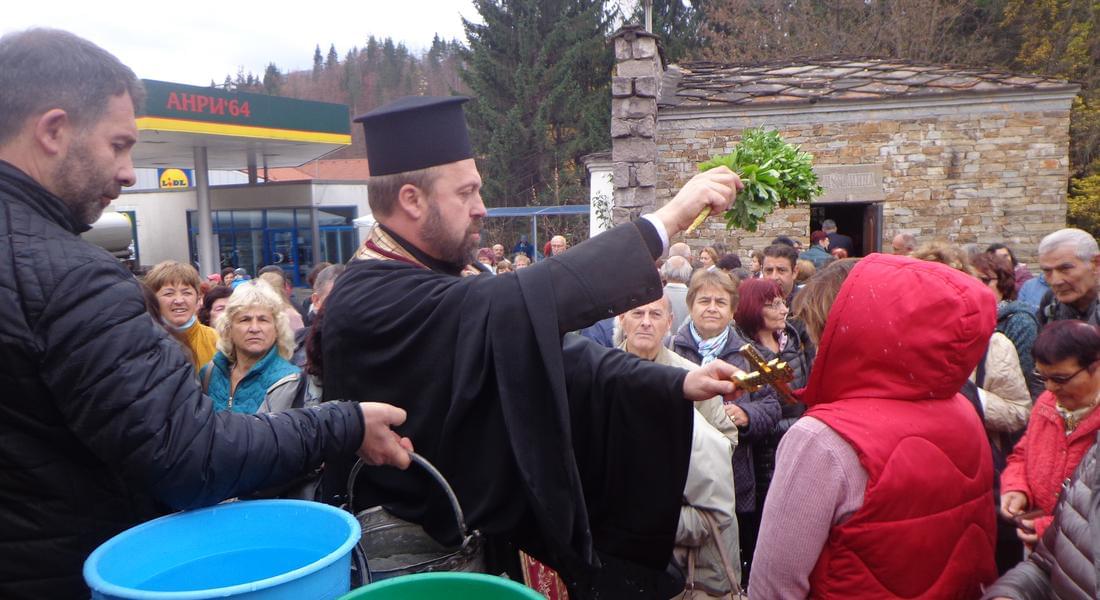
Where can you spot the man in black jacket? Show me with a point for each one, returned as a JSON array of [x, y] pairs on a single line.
[[102, 424]]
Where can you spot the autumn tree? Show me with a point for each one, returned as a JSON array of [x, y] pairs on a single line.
[[942, 31], [1058, 38]]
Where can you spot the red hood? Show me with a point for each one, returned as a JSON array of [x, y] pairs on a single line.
[[904, 329]]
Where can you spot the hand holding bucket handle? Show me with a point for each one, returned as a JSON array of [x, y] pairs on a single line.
[[460, 519], [381, 445]]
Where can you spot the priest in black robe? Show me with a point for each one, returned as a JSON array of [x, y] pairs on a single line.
[[572, 452]]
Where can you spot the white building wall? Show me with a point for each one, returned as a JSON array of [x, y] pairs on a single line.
[[147, 178], [162, 214], [600, 197]]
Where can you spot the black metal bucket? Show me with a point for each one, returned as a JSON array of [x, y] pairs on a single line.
[[393, 546]]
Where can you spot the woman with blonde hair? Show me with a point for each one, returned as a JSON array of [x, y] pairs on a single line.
[[252, 371], [176, 287], [708, 258]]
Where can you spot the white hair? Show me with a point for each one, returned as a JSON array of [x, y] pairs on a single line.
[[253, 294], [1083, 243], [618, 336], [677, 271]]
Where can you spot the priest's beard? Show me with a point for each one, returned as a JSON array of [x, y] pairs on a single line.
[[449, 247]]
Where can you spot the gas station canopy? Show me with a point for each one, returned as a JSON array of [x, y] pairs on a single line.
[[237, 129], [208, 128]]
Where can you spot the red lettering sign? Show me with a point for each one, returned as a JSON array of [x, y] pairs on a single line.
[[198, 103]]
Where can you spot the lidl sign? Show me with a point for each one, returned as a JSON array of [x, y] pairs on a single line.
[[175, 178]]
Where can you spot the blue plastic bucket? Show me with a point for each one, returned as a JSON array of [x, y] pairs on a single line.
[[270, 549]]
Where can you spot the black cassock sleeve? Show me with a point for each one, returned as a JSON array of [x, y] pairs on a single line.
[[632, 436]]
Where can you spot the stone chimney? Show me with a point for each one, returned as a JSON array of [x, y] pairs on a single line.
[[634, 90]]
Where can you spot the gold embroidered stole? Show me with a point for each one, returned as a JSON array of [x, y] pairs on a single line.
[[381, 246]]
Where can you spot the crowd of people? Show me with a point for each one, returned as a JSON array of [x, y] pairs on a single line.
[[936, 436], [758, 469], [246, 339], [1030, 389]]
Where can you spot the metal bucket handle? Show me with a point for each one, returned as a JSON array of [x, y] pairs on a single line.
[[436, 475]]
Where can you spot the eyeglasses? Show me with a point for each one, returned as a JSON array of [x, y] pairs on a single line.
[[1059, 379], [777, 304]]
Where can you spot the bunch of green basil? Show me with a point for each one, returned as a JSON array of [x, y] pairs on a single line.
[[774, 172]]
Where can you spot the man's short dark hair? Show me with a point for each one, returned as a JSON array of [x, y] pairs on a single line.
[[311, 278], [993, 248], [729, 262], [382, 190], [782, 251], [1061, 340], [272, 269], [783, 240], [42, 69]]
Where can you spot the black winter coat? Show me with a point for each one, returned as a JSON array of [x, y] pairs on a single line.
[[1063, 565], [795, 354], [102, 424]]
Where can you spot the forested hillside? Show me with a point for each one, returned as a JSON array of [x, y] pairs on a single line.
[[364, 78], [539, 70]]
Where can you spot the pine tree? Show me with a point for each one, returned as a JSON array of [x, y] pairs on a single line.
[[273, 80], [352, 80], [318, 62], [539, 74], [332, 61], [677, 22]]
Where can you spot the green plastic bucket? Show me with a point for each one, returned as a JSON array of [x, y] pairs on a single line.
[[449, 586]]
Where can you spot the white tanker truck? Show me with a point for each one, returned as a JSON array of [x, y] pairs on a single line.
[[114, 233]]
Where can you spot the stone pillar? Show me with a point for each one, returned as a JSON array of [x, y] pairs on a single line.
[[634, 90]]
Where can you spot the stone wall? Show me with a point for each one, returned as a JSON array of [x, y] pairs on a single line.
[[634, 90], [994, 171]]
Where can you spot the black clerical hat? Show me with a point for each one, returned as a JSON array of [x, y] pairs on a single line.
[[416, 132]]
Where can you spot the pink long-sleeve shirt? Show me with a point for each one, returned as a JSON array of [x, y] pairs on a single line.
[[818, 483]]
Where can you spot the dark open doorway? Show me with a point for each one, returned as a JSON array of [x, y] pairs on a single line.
[[861, 221]]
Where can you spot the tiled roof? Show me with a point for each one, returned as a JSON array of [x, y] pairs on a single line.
[[348, 169], [703, 84]]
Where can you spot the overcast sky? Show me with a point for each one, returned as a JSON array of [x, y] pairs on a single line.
[[199, 40]]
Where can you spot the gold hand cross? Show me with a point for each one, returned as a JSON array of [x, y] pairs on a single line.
[[774, 372]]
